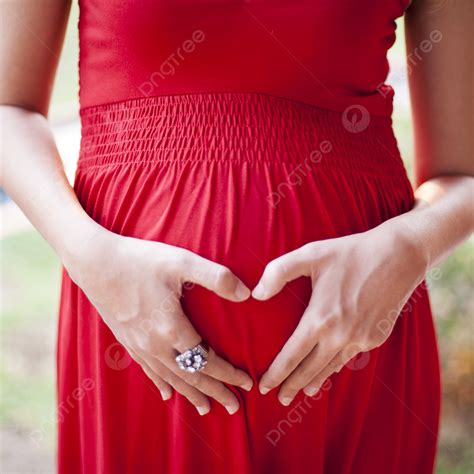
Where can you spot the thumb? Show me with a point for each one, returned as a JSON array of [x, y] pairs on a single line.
[[280, 271], [214, 277]]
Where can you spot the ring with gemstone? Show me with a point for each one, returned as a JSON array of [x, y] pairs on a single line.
[[195, 359]]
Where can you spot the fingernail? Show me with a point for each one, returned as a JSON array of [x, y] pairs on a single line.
[[264, 390], [241, 291], [202, 410], [247, 385], [311, 391], [258, 292], [231, 410], [165, 394], [285, 401]]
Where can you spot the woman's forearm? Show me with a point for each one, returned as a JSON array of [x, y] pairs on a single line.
[[441, 219], [441, 98], [32, 174]]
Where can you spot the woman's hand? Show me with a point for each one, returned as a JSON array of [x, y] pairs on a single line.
[[360, 284], [136, 287]]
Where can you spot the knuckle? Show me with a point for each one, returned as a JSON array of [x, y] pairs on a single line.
[[171, 264], [320, 378], [332, 366], [293, 386], [375, 338], [154, 362], [157, 381], [143, 343], [289, 364], [342, 340], [363, 340], [169, 332], [309, 250], [235, 376], [184, 258], [272, 380], [194, 398], [239, 378], [148, 372], [193, 380], [306, 373], [355, 347], [314, 329], [224, 278], [220, 393], [373, 344], [151, 374], [170, 381], [326, 325], [317, 381], [275, 269], [338, 367]]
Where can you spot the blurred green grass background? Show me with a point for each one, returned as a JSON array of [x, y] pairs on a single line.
[[30, 295]]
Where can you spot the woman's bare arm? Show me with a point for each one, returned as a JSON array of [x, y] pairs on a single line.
[[390, 260], [134, 284], [31, 169], [442, 97]]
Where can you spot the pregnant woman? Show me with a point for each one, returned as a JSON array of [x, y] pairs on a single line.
[[244, 255]]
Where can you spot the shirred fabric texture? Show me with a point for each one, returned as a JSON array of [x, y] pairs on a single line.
[[242, 178], [242, 130]]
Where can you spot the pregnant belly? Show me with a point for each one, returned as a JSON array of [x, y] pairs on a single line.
[[239, 179]]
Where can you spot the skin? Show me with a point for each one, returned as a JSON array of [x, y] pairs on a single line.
[[345, 311], [134, 284]]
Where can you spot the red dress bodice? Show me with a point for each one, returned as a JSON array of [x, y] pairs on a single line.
[[326, 53]]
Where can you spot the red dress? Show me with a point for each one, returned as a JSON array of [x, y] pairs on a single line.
[[242, 130]]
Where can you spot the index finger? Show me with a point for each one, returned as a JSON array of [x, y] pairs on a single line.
[[215, 277], [298, 346]]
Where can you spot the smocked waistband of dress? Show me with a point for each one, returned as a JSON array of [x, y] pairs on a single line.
[[236, 127]]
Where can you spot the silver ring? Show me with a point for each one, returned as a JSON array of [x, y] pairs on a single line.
[[195, 359]]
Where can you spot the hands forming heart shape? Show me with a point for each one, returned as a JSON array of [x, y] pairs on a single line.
[[360, 284]]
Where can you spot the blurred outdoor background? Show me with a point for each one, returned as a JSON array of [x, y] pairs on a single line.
[[30, 289]]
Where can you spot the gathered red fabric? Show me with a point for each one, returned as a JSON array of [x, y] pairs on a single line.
[[241, 155]]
